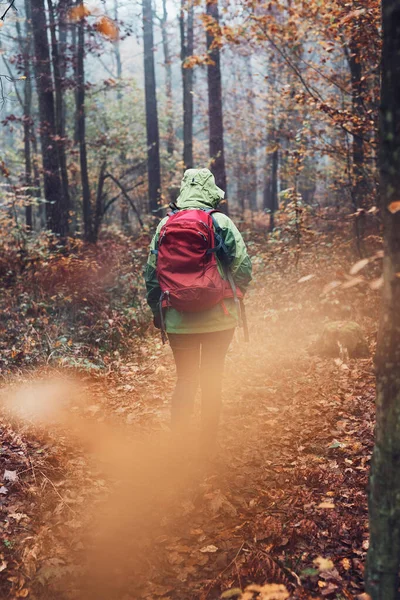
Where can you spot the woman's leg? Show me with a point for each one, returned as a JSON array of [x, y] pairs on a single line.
[[186, 350], [214, 347]]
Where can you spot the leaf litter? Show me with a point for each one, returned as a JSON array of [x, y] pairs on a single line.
[[262, 516]]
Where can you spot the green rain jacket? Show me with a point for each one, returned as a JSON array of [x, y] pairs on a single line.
[[198, 190]]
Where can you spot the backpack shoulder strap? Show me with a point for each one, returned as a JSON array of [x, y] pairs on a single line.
[[220, 247]]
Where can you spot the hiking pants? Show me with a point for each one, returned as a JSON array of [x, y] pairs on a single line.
[[199, 357]]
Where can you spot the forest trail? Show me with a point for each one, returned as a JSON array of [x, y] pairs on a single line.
[[108, 513]]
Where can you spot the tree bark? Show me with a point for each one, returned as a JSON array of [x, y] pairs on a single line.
[[168, 79], [56, 210], [216, 124], [27, 119], [251, 180], [383, 561], [124, 208], [57, 59], [36, 178], [99, 212], [81, 130], [153, 138], [187, 47], [358, 180], [271, 185]]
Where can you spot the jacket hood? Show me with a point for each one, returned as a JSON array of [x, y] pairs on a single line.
[[198, 187]]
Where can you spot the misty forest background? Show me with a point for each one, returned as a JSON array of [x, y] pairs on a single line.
[[103, 106]]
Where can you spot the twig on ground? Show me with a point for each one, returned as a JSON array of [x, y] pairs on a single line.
[[223, 571]]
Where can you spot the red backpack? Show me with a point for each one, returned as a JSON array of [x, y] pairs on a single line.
[[187, 269]]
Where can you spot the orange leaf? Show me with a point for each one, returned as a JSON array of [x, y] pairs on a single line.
[[108, 28], [76, 13], [394, 207]]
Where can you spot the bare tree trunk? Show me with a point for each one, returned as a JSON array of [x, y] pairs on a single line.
[[357, 94], [27, 120], [99, 212], [271, 184], [124, 207], [117, 51], [251, 182], [33, 147], [27, 149], [81, 129], [216, 125], [187, 47], [153, 138], [383, 561], [36, 178], [359, 186], [56, 210], [59, 102], [168, 80]]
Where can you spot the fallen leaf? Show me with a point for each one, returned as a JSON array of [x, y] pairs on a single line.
[[365, 545], [11, 476], [17, 516], [326, 505], [232, 593], [336, 444], [271, 591], [346, 564], [219, 503], [210, 548], [323, 564], [3, 490]]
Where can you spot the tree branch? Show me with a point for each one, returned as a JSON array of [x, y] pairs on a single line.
[[7, 9], [125, 193]]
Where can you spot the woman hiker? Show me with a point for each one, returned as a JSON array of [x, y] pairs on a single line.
[[197, 272]]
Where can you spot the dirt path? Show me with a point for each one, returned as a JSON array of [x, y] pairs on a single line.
[[121, 518]]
